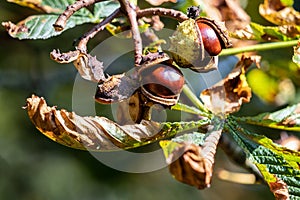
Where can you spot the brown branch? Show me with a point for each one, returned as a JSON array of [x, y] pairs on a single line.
[[61, 21], [131, 12], [164, 12], [82, 45]]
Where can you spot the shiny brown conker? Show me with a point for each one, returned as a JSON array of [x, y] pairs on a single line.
[[162, 83], [210, 39]]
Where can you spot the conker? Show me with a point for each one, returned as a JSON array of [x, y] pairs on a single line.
[[162, 83], [210, 39]]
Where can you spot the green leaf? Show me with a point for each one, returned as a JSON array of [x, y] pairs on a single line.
[[188, 109], [41, 26], [287, 2], [104, 9], [279, 166], [169, 146], [285, 119]]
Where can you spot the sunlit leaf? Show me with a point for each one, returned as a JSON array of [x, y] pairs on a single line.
[[99, 133], [228, 95], [285, 119], [188, 109], [271, 89], [255, 31], [280, 12], [279, 166]]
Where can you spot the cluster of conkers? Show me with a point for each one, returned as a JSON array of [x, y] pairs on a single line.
[[194, 45]]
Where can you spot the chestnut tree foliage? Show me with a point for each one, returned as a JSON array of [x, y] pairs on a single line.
[[189, 146]]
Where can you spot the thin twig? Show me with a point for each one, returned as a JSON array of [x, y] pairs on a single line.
[[82, 45], [70, 10], [131, 10], [164, 12]]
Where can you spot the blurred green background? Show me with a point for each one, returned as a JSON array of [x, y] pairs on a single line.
[[32, 167]]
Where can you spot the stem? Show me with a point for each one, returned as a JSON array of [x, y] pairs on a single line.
[[61, 21], [82, 45], [259, 47], [194, 99], [164, 12], [131, 13]]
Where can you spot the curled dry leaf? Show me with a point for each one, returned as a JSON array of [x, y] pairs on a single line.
[[187, 165], [116, 88], [15, 29], [232, 13], [228, 95], [279, 189], [87, 133], [275, 12], [88, 66], [159, 2]]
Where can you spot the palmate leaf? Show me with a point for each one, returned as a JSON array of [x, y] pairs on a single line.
[[41, 26], [285, 119], [100, 133], [279, 166]]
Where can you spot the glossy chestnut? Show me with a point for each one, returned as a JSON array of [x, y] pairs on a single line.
[[214, 35], [210, 39], [162, 83]]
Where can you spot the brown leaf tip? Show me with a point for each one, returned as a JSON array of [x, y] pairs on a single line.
[[279, 189], [14, 29], [188, 166]]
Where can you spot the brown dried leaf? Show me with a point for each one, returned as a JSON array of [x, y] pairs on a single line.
[[228, 95], [88, 66], [279, 189], [275, 12], [92, 133], [187, 165], [14, 29], [116, 88], [232, 13], [159, 2], [289, 141], [64, 57]]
